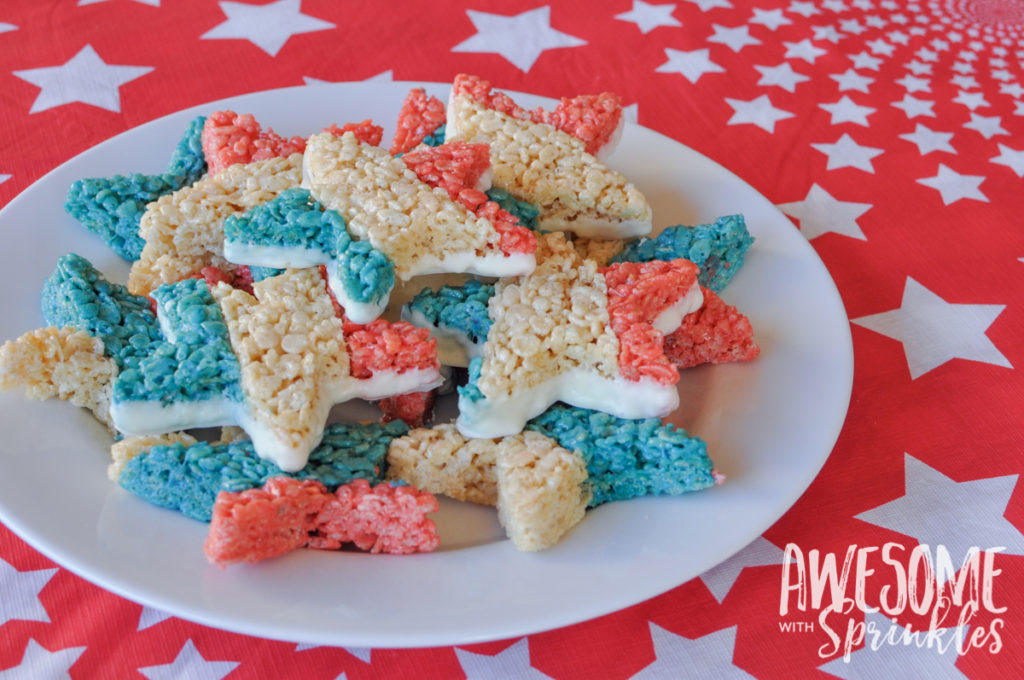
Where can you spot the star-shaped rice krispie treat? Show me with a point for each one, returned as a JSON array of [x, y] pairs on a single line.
[[535, 159], [571, 332], [419, 227]]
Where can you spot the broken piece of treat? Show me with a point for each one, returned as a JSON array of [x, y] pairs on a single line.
[[539, 488], [287, 514], [418, 227], [420, 121], [230, 138], [545, 166], [112, 207], [714, 334], [572, 333], [179, 473]]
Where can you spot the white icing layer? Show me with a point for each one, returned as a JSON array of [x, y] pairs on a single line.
[[670, 318], [490, 264], [359, 312], [489, 418], [453, 347], [279, 257], [596, 227]]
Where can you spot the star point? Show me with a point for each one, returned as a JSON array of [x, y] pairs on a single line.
[[934, 331], [21, 590], [84, 78], [720, 579], [268, 27], [521, 38], [759, 112], [820, 213]]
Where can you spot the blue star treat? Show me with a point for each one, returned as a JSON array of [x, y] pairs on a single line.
[[112, 207]]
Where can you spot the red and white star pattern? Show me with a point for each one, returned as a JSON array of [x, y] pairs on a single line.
[[890, 131]]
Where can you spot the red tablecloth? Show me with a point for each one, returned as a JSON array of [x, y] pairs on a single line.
[[890, 131]]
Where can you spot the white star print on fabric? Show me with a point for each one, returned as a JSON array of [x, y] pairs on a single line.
[[847, 111], [771, 18], [705, 5], [759, 112], [935, 510], [1012, 89], [720, 579], [1011, 158], [914, 107], [986, 126], [782, 75], [4, 178], [5, 27], [189, 664], [846, 153], [149, 617], [851, 26], [865, 60], [806, 9], [953, 186], [804, 49], [267, 26], [39, 662], [851, 80], [691, 65], [85, 78], [972, 100], [736, 37], [19, 593], [705, 657], [934, 331], [364, 654], [928, 140], [885, 660], [513, 662], [879, 46], [649, 17], [631, 113], [820, 213], [914, 84], [964, 82], [827, 33], [520, 38]]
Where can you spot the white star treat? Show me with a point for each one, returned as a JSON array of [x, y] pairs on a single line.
[[521, 39], [267, 26], [571, 332], [85, 78], [934, 331], [548, 167]]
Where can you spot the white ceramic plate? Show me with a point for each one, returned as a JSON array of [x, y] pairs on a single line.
[[769, 424]]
